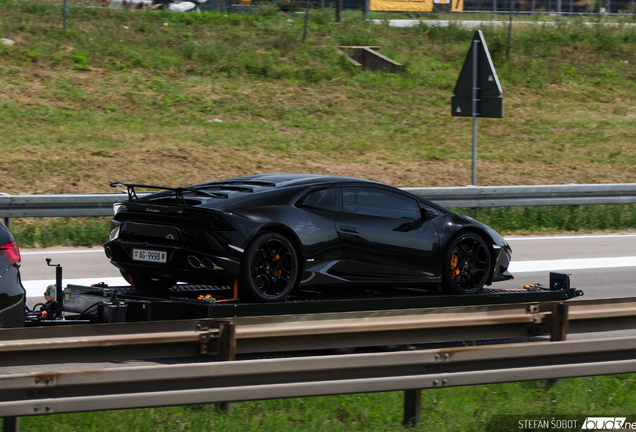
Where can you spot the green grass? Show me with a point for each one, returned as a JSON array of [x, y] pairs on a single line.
[[135, 96], [452, 409], [49, 232], [125, 95], [556, 219]]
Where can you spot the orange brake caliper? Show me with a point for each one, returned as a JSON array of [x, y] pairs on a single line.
[[454, 262], [276, 258]]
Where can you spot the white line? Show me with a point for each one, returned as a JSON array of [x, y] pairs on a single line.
[[62, 252], [571, 264], [36, 288], [573, 237]]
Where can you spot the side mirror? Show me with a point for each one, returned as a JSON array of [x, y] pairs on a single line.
[[428, 215], [425, 215]]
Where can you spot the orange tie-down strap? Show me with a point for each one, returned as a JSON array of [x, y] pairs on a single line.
[[235, 293], [531, 287]]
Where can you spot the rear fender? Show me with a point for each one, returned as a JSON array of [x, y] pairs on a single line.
[[289, 234]]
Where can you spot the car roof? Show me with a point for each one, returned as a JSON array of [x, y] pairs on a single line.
[[241, 191], [282, 180]]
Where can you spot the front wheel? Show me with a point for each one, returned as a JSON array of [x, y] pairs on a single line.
[[467, 264], [269, 270]]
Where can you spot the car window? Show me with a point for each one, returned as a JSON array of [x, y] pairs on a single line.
[[326, 199], [379, 202]]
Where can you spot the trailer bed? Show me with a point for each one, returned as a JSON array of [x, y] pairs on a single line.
[[127, 304]]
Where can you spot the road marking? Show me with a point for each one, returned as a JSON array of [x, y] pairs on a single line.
[[573, 237], [36, 288], [571, 264], [58, 252]]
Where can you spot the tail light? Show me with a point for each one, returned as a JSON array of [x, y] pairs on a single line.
[[119, 207], [11, 253]]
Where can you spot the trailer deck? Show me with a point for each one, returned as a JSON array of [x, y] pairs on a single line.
[[106, 304]]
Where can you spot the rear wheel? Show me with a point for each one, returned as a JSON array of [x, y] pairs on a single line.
[[467, 264], [269, 270]]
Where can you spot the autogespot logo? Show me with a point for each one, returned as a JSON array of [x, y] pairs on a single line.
[[606, 423]]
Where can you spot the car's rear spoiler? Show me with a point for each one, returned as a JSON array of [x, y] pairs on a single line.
[[132, 193]]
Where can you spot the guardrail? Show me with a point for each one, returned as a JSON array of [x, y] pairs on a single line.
[[62, 205], [164, 339], [111, 342], [80, 205], [511, 196], [32, 394], [60, 392]]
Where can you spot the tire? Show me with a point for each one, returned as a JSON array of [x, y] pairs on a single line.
[[147, 284], [269, 270], [467, 264]]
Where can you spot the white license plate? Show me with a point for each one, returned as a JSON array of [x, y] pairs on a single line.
[[149, 255]]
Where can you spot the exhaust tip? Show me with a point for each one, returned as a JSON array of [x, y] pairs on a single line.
[[194, 261], [209, 264], [108, 252]]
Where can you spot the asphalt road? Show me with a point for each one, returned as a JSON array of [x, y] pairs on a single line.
[[603, 266]]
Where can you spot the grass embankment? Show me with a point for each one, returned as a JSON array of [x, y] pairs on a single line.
[[463, 409], [176, 99], [135, 96]]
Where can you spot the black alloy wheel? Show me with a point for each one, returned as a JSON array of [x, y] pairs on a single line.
[[467, 264], [269, 270]]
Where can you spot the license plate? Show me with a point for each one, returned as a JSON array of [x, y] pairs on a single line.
[[149, 255]]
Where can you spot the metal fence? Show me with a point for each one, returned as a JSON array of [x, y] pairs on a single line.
[[316, 331], [81, 205], [55, 392], [439, 6], [161, 385], [496, 6]]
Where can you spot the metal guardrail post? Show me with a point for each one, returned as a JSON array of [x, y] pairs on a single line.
[[559, 322], [227, 352], [227, 341], [11, 424], [559, 327], [412, 407]]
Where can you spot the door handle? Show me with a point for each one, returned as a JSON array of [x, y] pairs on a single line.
[[349, 229]]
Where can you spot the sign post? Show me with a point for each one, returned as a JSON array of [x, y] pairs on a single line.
[[478, 91]]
